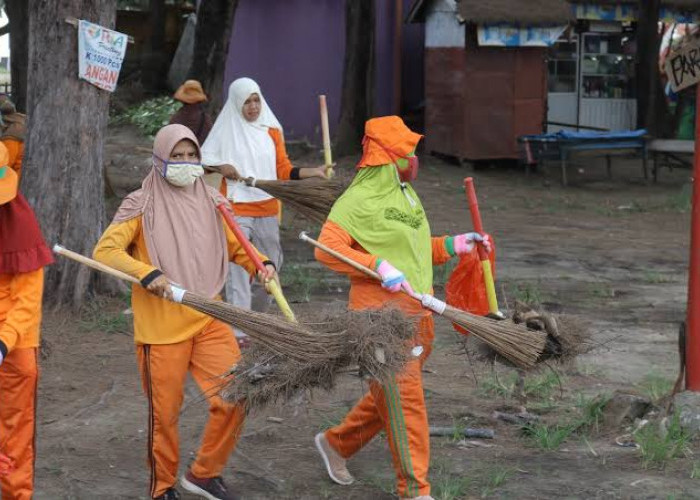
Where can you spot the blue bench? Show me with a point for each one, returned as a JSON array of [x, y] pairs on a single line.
[[562, 144]]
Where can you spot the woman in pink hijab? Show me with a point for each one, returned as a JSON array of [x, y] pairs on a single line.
[[170, 231]]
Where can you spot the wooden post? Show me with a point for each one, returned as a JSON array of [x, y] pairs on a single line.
[[692, 353]]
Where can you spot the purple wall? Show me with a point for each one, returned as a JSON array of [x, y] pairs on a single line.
[[295, 49]]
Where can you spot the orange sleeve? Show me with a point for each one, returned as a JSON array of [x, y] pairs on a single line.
[[336, 238], [24, 316], [284, 165], [440, 253], [15, 149], [237, 253], [112, 249]]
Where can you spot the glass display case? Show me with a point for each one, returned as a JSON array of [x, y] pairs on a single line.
[[607, 66]]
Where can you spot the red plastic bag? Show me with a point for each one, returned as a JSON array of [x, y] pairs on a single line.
[[465, 289]]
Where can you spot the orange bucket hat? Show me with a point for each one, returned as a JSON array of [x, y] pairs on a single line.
[[386, 139], [190, 92]]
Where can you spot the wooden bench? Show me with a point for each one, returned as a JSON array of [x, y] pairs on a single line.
[[671, 151]]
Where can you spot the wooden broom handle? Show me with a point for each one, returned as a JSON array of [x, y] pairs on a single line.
[[326, 134], [366, 270], [60, 250]]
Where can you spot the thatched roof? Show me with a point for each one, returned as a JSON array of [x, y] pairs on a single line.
[[526, 11]]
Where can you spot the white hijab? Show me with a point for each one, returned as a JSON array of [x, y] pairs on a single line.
[[246, 145]]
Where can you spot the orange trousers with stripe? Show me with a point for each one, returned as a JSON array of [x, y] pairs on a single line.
[[398, 408], [207, 356], [19, 375]]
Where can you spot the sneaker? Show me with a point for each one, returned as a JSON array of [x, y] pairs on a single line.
[[211, 488], [335, 464], [243, 342], [170, 494], [422, 497]]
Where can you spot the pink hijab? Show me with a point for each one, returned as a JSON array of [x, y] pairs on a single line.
[[184, 235]]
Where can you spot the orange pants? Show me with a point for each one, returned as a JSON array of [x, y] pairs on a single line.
[[398, 408], [18, 380], [207, 356]]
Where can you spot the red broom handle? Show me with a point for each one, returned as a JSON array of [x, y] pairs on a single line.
[[242, 239], [476, 216]]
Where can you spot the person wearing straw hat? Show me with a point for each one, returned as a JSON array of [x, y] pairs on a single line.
[[13, 131], [23, 255], [247, 141], [170, 231], [380, 223], [192, 113]]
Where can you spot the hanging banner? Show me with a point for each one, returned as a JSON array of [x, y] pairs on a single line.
[[511, 35], [594, 12], [683, 66], [100, 54]]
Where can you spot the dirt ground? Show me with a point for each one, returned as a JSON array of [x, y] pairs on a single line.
[[612, 252]]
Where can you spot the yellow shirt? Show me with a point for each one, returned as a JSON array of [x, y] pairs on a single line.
[[20, 309], [156, 320]]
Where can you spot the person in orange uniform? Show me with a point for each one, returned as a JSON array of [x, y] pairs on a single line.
[[247, 141], [167, 232], [13, 130], [380, 223], [23, 255]]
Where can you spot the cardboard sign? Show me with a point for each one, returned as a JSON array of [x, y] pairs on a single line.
[[683, 66], [100, 54]]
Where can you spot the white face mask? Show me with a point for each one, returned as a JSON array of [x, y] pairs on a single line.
[[182, 174]]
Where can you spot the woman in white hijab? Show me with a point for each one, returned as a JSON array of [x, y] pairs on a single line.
[[247, 141]]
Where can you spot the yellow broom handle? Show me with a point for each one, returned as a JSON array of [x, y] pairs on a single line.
[[272, 286], [325, 132]]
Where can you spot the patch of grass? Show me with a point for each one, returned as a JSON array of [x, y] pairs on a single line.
[[447, 485], [591, 411], [655, 277], [495, 478], [302, 279], [498, 386], [695, 471], [150, 115], [658, 446], [95, 318], [681, 202], [548, 436], [655, 386], [527, 292], [602, 290], [542, 385]]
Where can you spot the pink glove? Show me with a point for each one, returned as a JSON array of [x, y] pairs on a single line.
[[392, 278], [464, 243]]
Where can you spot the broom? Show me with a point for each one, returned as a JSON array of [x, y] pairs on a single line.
[[312, 197], [516, 343], [281, 337]]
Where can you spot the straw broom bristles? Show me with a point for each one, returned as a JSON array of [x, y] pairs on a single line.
[[312, 197], [516, 343], [263, 377]]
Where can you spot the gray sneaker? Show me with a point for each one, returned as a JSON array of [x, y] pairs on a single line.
[[335, 464], [211, 488]]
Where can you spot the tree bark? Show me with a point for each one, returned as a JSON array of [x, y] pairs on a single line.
[[155, 60], [358, 75], [62, 175], [18, 14], [211, 40], [652, 109]]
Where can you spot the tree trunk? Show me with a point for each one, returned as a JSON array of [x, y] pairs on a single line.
[[62, 175], [155, 60], [211, 41], [358, 75], [652, 109], [18, 14]]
